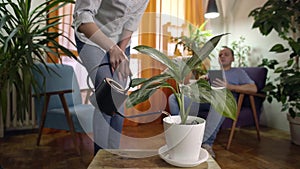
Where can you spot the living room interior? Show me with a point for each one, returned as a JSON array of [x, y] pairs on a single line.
[[162, 22]]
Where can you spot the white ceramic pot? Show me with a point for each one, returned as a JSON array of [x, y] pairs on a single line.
[[294, 129], [184, 141]]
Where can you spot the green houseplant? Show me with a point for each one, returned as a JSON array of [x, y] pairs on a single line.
[[197, 37], [183, 133], [241, 51], [283, 16], [178, 70], [24, 40]]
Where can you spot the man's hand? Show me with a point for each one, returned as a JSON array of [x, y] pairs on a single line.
[[219, 83]]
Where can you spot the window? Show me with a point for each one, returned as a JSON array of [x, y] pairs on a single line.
[[173, 12], [66, 28], [170, 16]]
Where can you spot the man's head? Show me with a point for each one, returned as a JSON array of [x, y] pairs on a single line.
[[226, 57]]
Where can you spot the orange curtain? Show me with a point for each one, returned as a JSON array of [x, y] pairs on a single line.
[[147, 36], [148, 25], [194, 12]]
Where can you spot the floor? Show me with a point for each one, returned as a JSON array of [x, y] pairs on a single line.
[[274, 151]]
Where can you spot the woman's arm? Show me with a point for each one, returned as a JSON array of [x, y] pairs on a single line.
[[91, 31], [126, 36], [117, 56]]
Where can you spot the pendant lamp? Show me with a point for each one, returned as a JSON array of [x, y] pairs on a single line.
[[212, 10]]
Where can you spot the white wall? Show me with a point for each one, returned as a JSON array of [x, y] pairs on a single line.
[[234, 20]]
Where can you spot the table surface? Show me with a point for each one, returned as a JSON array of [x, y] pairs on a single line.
[[138, 158]]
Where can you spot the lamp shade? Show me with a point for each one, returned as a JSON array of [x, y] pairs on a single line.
[[212, 10]]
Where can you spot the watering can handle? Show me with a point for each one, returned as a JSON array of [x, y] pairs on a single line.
[[103, 64]]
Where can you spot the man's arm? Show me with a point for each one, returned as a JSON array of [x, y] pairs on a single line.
[[242, 88], [236, 88]]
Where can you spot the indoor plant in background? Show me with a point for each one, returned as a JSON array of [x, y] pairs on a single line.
[[241, 52], [283, 17], [24, 40], [197, 37], [200, 91]]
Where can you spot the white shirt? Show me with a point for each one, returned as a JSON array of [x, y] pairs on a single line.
[[111, 16]]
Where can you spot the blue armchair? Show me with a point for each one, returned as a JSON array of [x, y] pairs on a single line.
[[249, 104], [58, 102]]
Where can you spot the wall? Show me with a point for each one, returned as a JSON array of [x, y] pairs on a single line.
[[234, 20]]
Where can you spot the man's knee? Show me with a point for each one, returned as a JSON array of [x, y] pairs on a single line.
[[173, 105]]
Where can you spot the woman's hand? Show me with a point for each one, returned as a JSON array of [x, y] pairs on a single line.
[[119, 61]]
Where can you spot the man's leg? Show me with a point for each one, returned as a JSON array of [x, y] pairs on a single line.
[[214, 121]]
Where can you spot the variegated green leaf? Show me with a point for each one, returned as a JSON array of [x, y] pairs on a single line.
[[200, 53], [155, 79], [158, 56], [224, 102], [198, 92], [143, 94]]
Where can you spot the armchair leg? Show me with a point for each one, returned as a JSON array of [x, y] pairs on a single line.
[[252, 102], [44, 113], [69, 120], [240, 101], [231, 134]]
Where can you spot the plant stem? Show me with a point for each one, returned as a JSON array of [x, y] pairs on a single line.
[[183, 114]]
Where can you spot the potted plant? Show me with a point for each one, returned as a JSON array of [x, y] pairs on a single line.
[[283, 17], [241, 52], [200, 91], [197, 37], [25, 39]]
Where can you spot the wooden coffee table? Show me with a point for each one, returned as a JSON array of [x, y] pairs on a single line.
[[138, 158]]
